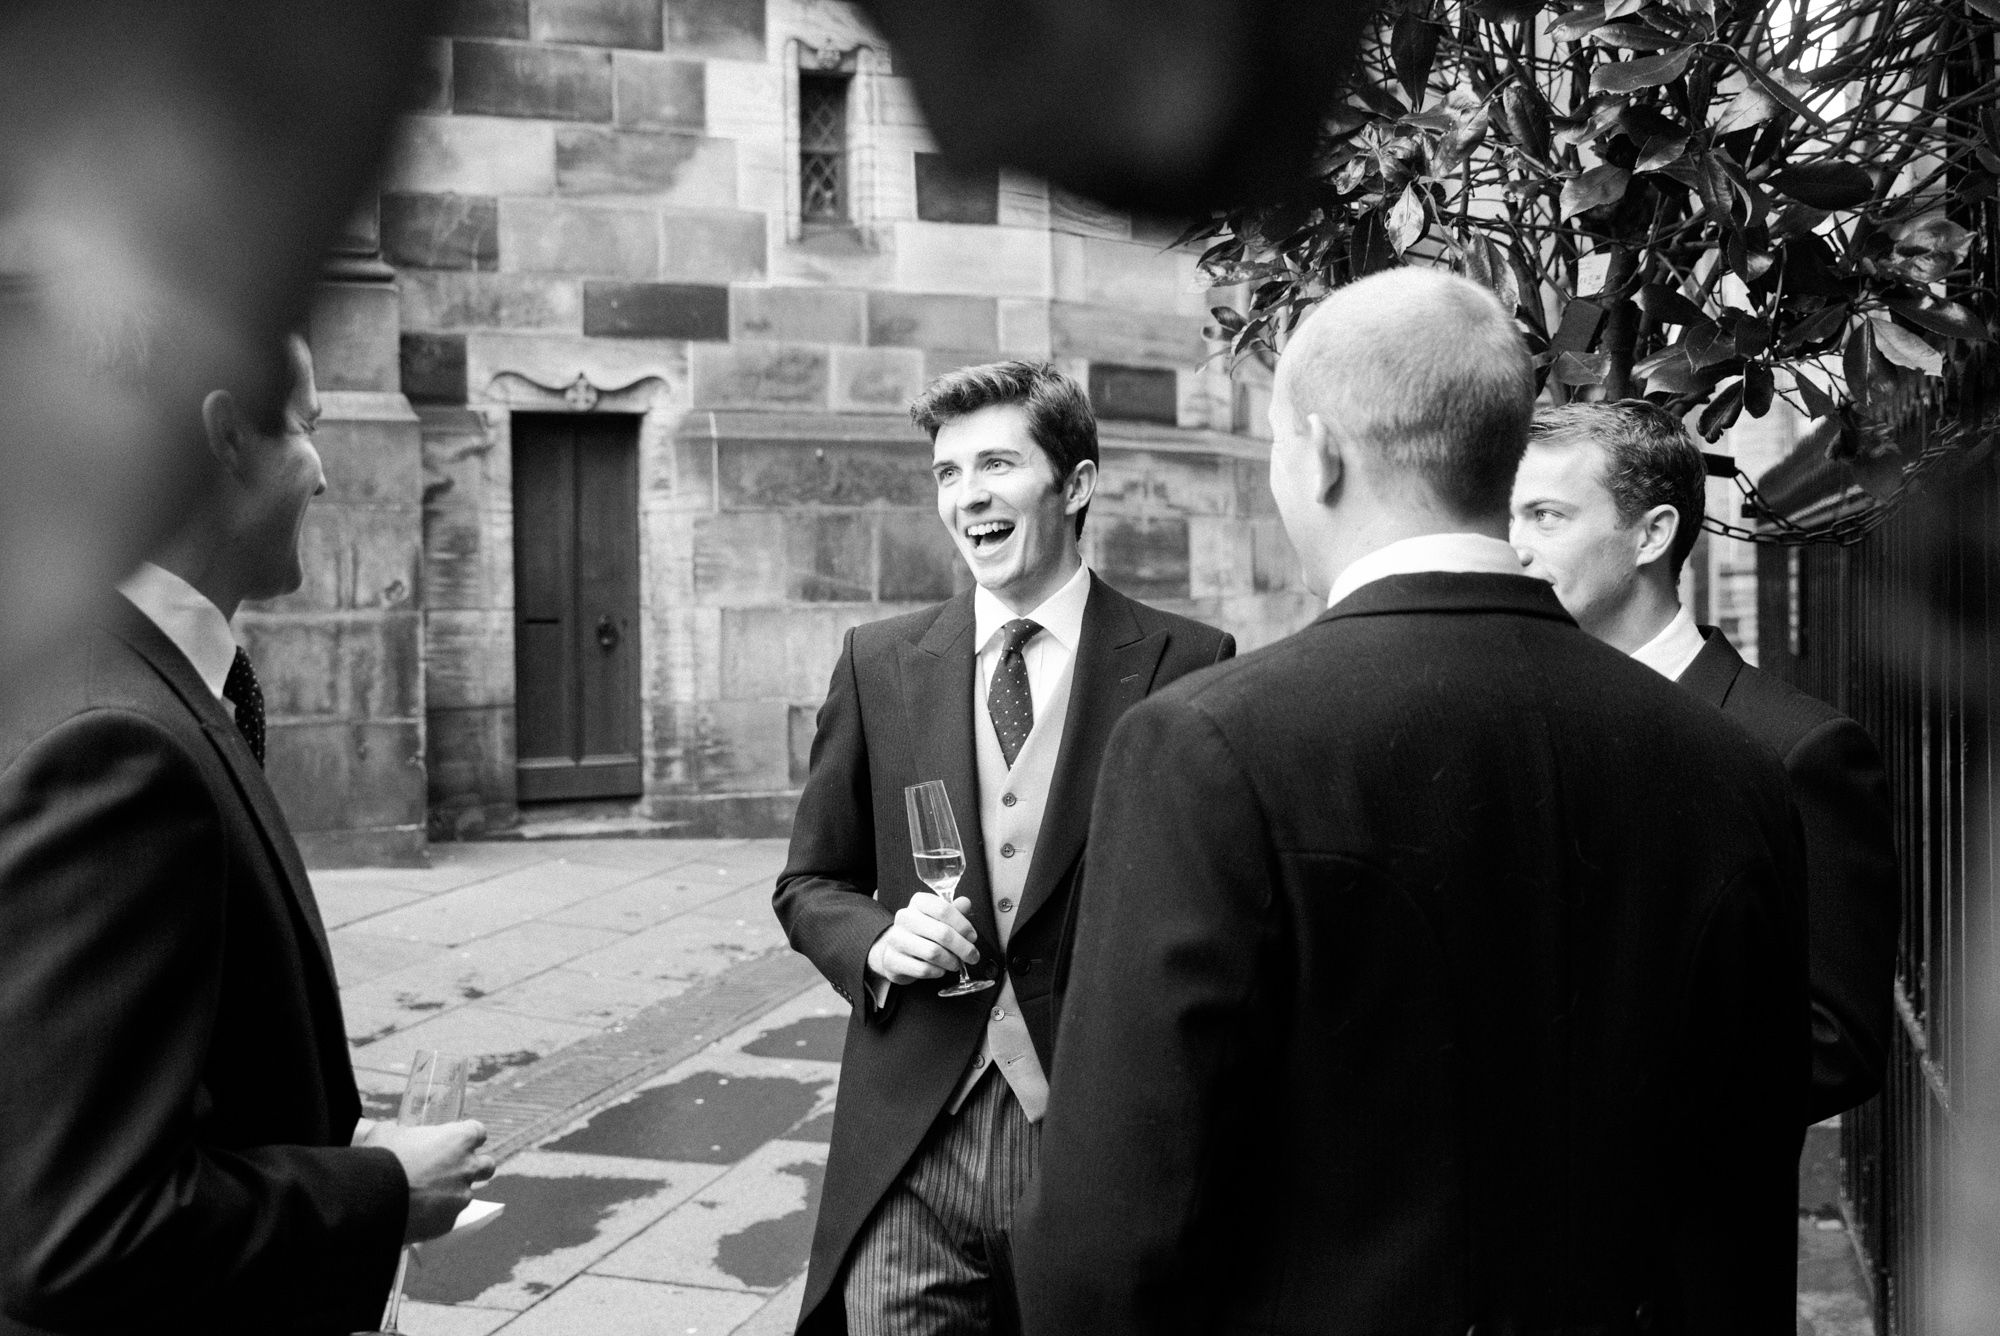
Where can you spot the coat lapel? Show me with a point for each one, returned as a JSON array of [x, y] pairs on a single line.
[[1115, 663], [937, 703], [1714, 670], [152, 645]]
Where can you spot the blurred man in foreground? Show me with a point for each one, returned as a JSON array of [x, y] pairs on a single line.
[[1438, 969], [1607, 506], [181, 1146]]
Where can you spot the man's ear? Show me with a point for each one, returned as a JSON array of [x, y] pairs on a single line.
[[1657, 530], [222, 424], [1080, 486], [1329, 463]]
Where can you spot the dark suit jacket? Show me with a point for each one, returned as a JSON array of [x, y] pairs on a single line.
[[899, 711], [177, 1097], [1438, 970], [1852, 910]]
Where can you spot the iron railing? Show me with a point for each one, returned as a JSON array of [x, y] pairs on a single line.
[[1898, 631]]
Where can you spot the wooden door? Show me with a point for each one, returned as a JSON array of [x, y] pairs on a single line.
[[576, 605]]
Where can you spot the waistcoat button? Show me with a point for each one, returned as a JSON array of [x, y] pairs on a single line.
[[999, 1015], [1008, 800], [1006, 851], [1006, 905]]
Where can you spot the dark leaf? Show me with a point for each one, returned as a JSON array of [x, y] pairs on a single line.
[[1722, 411], [1580, 368], [1712, 183], [1526, 117], [1990, 8], [1928, 249], [1825, 185], [1668, 372], [1381, 100], [1752, 336], [1578, 330], [1866, 373], [1413, 44], [1667, 306], [1576, 24], [1646, 72], [1618, 9], [1818, 402], [1941, 317], [1660, 152], [1749, 263], [1904, 348], [1641, 122], [1228, 317], [1796, 220], [1707, 345], [1758, 387], [1594, 189], [1881, 476], [1632, 36], [1601, 115]]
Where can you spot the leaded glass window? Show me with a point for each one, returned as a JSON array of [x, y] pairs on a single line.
[[823, 147]]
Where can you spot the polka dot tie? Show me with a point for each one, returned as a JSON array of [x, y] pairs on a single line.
[[241, 690], [1007, 699]]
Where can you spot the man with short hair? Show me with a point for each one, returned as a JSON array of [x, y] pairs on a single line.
[[181, 1142], [1401, 999], [1606, 507], [1006, 693]]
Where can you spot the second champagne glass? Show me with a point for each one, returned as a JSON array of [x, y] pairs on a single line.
[[940, 858], [435, 1094]]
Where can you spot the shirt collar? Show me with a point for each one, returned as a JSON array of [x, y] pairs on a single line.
[[1671, 651], [186, 617], [1466, 553], [1059, 615]]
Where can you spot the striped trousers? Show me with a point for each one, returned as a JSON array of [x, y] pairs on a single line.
[[933, 1260]]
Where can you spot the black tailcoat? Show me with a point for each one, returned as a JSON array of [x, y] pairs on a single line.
[[899, 711], [1438, 970], [178, 1096], [1852, 910]]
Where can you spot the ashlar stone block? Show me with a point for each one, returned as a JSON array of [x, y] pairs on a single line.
[[1139, 277], [739, 560], [659, 92], [756, 475], [929, 320], [486, 18], [468, 657], [1145, 558], [1024, 327], [839, 257], [993, 261], [683, 170], [1221, 556], [550, 82], [628, 23], [656, 310], [1134, 394], [1085, 217], [444, 300], [798, 315], [732, 29], [918, 563], [1115, 334], [433, 368], [759, 375], [830, 557], [947, 193], [875, 379], [344, 667], [472, 155], [554, 237], [430, 86], [441, 231], [712, 247]]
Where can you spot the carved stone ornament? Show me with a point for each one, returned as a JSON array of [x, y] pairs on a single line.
[[578, 396]]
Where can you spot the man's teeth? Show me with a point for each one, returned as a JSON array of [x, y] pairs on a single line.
[[992, 529]]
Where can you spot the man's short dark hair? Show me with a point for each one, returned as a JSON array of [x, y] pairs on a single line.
[[1650, 460], [1059, 416]]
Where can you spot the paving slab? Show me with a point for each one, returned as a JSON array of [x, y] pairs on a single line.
[[748, 1229], [600, 1305]]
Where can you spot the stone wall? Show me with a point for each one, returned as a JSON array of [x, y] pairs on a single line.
[[597, 209]]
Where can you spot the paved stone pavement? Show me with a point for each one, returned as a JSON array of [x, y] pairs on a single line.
[[658, 1072]]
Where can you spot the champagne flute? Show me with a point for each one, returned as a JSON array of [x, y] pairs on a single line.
[[435, 1093], [940, 858]]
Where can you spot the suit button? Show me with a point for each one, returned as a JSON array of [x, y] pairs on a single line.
[[1023, 965], [1006, 851], [1008, 800], [1006, 905], [979, 1062]]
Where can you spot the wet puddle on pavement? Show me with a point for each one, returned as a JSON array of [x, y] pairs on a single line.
[[704, 1118]]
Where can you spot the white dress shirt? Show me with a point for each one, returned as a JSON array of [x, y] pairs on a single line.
[[1671, 651], [1465, 553], [186, 617], [1048, 656]]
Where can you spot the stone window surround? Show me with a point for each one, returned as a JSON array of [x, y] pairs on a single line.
[[867, 65]]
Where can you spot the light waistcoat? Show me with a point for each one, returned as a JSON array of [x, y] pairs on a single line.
[[1011, 804]]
